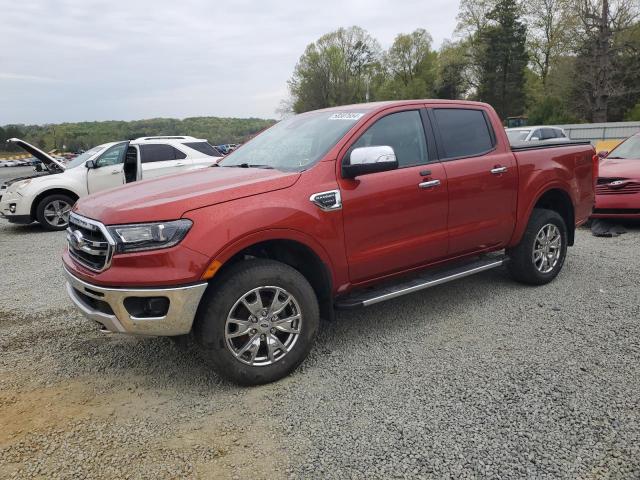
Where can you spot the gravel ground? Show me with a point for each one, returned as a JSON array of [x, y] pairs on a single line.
[[7, 173], [482, 378]]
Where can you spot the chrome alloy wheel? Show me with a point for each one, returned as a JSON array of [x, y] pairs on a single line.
[[263, 326], [547, 248], [56, 213]]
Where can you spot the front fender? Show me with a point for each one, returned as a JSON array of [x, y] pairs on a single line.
[[221, 231]]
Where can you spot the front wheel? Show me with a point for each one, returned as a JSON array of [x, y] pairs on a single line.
[[258, 322], [53, 211], [540, 255]]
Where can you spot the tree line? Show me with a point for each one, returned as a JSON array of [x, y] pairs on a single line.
[[84, 135], [556, 61]]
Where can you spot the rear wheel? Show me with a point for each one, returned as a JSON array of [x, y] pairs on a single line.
[[257, 323], [53, 211], [540, 255]]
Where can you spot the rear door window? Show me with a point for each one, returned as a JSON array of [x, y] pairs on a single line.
[[204, 147], [157, 152], [463, 132]]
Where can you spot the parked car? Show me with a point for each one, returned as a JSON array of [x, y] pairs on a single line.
[[337, 208], [536, 134], [47, 196], [618, 189]]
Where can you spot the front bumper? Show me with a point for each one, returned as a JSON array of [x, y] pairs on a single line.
[[14, 201], [622, 206], [106, 306]]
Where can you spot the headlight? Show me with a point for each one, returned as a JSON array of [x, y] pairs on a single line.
[[149, 236]]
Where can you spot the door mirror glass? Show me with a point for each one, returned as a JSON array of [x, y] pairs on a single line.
[[366, 160], [91, 164], [38, 167]]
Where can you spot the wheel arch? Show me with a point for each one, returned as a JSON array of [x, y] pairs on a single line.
[[295, 252], [51, 191], [558, 200]]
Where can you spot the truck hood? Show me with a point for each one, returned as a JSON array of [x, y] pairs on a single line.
[[168, 198], [623, 168], [51, 163]]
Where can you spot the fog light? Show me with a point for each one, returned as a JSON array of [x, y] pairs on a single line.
[[147, 307], [12, 207]]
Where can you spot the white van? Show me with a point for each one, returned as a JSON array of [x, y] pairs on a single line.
[[48, 195]]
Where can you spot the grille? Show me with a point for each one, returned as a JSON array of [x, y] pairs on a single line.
[[89, 243], [603, 187]]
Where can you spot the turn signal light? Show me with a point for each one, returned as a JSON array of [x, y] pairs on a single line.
[[596, 169], [211, 270]]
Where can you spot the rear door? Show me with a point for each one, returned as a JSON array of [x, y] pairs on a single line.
[[108, 172], [395, 220], [481, 176], [158, 159]]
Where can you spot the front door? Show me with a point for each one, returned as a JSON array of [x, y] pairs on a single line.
[[397, 219], [108, 172], [482, 178]]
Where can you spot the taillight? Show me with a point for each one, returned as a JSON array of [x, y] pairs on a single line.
[[596, 169]]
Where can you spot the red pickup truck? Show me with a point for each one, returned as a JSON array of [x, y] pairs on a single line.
[[337, 208]]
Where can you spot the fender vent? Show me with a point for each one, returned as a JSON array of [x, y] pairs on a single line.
[[327, 201]]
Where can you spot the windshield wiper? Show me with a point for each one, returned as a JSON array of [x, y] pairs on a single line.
[[250, 165]]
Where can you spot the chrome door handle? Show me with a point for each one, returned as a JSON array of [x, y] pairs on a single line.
[[498, 170], [179, 164], [429, 184], [115, 172]]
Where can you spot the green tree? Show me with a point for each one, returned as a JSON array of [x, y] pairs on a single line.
[[600, 61], [337, 69], [551, 28], [409, 67], [502, 60], [453, 71]]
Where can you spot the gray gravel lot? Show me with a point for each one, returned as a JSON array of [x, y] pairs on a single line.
[[7, 173], [482, 378]]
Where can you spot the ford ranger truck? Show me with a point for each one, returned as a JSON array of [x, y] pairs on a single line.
[[331, 209]]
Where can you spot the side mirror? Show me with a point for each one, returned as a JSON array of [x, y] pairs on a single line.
[[38, 167], [603, 154], [534, 139], [91, 164], [366, 160]]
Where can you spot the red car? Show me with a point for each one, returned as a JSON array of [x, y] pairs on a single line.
[[618, 189], [337, 208]]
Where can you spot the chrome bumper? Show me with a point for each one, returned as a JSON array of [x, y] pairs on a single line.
[[106, 307]]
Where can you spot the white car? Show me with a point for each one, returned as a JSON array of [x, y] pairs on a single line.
[[536, 134], [48, 195]]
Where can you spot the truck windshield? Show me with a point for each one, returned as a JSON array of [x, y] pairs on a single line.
[[296, 143], [629, 149]]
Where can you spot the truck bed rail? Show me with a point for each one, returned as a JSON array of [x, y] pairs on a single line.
[[521, 146]]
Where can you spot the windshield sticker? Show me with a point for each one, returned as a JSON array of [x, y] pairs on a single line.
[[346, 116]]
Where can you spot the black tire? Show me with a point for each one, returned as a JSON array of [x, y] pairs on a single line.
[[222, 296], [50, 224], [521, 264]]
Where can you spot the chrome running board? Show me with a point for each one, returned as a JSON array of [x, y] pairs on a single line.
[[424, 280]]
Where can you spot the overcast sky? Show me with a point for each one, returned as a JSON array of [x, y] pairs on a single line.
[[79, 60]]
